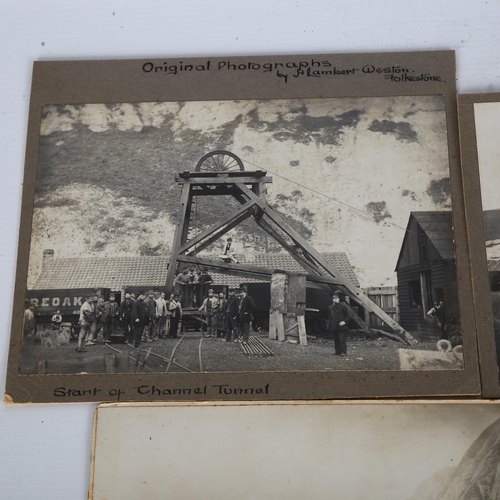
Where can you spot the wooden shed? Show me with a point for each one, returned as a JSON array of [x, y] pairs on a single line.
[[426, 273]]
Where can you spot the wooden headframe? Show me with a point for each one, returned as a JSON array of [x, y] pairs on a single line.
[[249, 189]]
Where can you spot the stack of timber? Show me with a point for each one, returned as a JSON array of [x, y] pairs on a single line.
[[288, 306], [256, 347]]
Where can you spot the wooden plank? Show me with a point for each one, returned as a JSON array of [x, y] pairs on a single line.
[[243, 270], [215, 227], [225, 190], [278, 291], [360, 322], [300, 259], [221, 181], [388, 334], [185, 226], [280, 326], [302, 330], [354, 291], [255, 175], [380, 292], [273, 325], [181, 221], [109, 362]]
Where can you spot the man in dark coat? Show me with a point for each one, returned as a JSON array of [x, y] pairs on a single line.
[[125, 311], [204, 281], [246, 307], [338, 317], [231, 315], [149, 327], [139, 316], [175, 310], [109, 317]]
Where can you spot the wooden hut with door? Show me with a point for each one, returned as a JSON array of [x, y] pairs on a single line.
[[426, 273]]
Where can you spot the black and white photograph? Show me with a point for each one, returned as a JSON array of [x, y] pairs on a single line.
[[487, 127], [243, 235], [421, 451], [479, 116], [221, 231]]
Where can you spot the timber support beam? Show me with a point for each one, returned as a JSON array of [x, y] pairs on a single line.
[[249, 189]]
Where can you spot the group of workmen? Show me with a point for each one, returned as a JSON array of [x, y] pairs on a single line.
[[143, 318], [146, 318], [228, 318]]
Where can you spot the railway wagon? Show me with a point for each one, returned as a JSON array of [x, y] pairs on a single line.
[[68, 301]]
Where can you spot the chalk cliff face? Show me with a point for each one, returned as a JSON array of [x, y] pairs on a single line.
[[347, 172], [477, 476]]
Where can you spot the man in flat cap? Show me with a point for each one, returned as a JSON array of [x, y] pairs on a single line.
[[209, 310], [338, 317], [246, 308]]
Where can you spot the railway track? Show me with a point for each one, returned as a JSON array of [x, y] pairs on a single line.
[[142, 358]]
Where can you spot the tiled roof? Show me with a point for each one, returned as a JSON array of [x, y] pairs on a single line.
[[438, 227], [102, 272], [147, 271]]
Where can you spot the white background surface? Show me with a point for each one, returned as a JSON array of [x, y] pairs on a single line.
[[44, 450]]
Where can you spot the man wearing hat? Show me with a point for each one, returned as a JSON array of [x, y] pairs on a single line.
[[149, 326], [204, 280], [338, 317], [209, 310], [231, 315], [138, 317], [246, 308], [109, 317], [86, 319]]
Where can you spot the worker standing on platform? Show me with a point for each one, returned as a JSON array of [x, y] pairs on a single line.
[[182, 286], [204, 280]]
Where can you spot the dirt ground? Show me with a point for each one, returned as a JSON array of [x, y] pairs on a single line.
[[219, 356]]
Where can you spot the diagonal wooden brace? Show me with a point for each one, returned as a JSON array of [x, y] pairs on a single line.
[[353, 291]]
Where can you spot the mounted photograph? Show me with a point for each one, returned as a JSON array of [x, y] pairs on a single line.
[[214, 239], [479, 129]]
